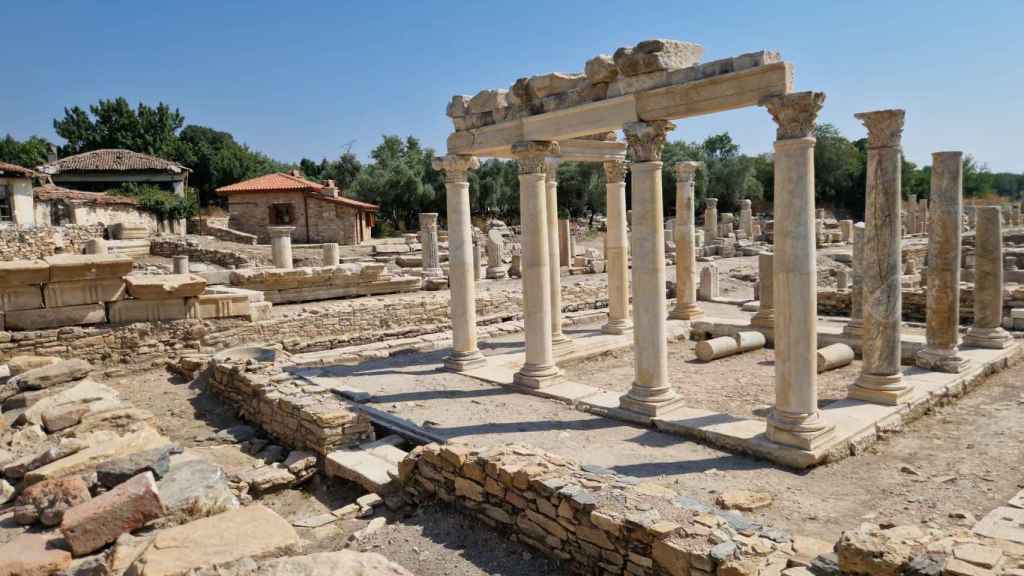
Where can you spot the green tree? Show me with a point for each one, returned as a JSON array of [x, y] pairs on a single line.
[[28, 153], [115, 124], [978, 181], [401, 181], [216, 160], [838, 165], [494, 189]]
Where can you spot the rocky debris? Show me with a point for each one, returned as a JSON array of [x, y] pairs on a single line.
[[263, 480], [93, 395], [126, 550], [32, 555], [156, 460], [656, 55], [600, 69], [373, 527], [315, 521], [103, 445], [746, 500], [6, 492], [91, 525], [21, 364], [195, 489], [983, 556], [374, 465], [66, 447], [869, 552], [239, 434], [62, 417], [343, 562], [300, 462], [272, 454], [52, 374], [47, 501]]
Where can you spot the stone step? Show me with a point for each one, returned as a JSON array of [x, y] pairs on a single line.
[[373, 465]]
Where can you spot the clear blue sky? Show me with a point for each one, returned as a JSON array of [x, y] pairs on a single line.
[[307, 78]]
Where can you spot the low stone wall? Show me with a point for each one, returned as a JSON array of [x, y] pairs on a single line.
[[31, 242], [218, 228], [285, 285], [168, 248], [300, 416], [915, 303]]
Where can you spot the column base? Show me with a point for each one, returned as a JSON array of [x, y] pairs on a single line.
[[617, 327], [803, 431], [763, 320], [562, 345], [941, 360], [886, 389], [463, 361], [652, 407], [686, 312], [432, 273], [996, 338], [854, 329], [533, 376], [496, 272]]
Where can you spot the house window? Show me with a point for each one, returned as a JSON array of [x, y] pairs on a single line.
[[5, 203], [281, 215], [60, 213]]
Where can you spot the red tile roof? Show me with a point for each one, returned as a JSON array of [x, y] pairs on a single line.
[[282, 182], [51, 192], [112, 160], [7, 169]]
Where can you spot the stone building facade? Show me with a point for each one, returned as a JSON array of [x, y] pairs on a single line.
[[318, 212], [15, 194], [56, 206], [101, 170]]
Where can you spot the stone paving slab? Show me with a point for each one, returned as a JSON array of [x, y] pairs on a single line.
[[1004, 523]]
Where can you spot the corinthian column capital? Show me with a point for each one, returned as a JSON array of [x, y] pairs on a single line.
[[795, 114], [885, 127], [687, 170], [531, 155], [646, 139], [615, 171], [455, 166]]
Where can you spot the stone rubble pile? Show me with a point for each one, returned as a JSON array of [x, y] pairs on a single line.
[[283, 285]]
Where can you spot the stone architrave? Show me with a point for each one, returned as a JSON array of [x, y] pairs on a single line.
[[651, 393], [987, 331], [560, 343], [686, 250], [617, 249], [465, 354], [494, 247], [431, 252], [881, 379], [855, 327], [746, 218], [765, 316], [943, 295], [281, 245], [795, 420], [710, 220], [539, 370]]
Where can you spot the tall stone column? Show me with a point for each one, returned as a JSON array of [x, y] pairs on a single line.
[[651, 393], [465, 354], [539, 369], [560, 343], [795, 419], [746, 218], [617, 249], [941, 352], [281, 245], [686, 250], [710, 220], [855, 327], [765, 316], [428, 239], [881, 380], [987, 331]]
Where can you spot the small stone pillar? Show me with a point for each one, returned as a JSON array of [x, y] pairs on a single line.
[[465, 354], [846, 231], [795, 420], [651, 393], [987, 331], [710, 220], [560, 343], [431, 251], [881, 379], [281, 245], [564, 243], [746, 218], [765, 315], [686, 250], [181, 264], [943, 295], [708, 283], [617, 249], [494, 248], [331, 254], [477, 258], [539, 370], [842, 280], [96, 246], [855, 327]]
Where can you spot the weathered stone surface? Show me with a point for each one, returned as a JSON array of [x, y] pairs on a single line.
[[156, 460], [745, 500], [53, 374], [65, 448], [32, 555], [79, 292], [148, 310], [487, 101], [347, 562], [655, 55], [55, 317], [21, 364], [251, 532], [61, 417], [50, 499], [23, 273], [979, 555], [98, 522], [554, 83], [871, 554], [601, 68], [20, 298], [66, 267], [103, 446], [195, 489], [206, 306], [165, 286], [265, 479], [86, 392]]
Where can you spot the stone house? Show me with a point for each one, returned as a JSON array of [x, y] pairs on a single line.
[[318, 212], [16, 195], [101, 170], [58, 206]]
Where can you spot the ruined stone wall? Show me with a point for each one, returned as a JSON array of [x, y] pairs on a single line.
[[299, 416], [31, 242], [170, 247], [915, 303], [218, 228]]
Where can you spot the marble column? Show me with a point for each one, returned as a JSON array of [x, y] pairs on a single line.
[[651, 394], [539, 370], [428, 239], [331, 254], [710, 220], [987, 331], [686, 249], [881, 379], [465, 354], [855, 327], [617, 249], [281, 245], [181, 264], [943, 295], [795, 419], [746, 218], [765, 316], [560, 343]]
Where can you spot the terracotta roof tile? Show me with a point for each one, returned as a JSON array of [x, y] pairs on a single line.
[[7, 169], [282, 182], [112, 160], [51, 192]]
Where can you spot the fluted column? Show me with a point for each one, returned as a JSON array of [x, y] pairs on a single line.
[[686, 250], [795, 419], [539, 369], [465, 354], [881, 379], [987, 331], [560, 343], [651, 393], [710, 220], [428, 240], [855, 327], [943, 295], [617, 249]]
